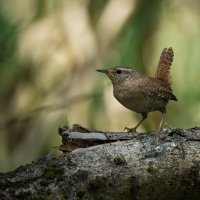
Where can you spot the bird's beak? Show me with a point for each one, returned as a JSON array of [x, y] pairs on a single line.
[[105, 71]]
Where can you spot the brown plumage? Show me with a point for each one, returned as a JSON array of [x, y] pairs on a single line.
[[163, 69], [141, 93]]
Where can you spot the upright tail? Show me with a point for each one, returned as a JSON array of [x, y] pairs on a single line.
[[165, 62]]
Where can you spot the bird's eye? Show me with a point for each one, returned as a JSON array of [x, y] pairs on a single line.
[[119, 71]]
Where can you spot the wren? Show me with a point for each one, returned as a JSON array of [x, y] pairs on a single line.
[[141, 93]]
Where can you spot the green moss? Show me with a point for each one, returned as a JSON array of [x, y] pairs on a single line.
[[53, 172], [80, 192], [50, 175], [44, 182], [118, 160], [39, 197], [150, 169], [97, 183]]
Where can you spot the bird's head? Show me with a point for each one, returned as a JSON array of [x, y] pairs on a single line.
[[119, 74]]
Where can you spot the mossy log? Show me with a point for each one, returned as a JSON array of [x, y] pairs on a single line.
[[163, 165]]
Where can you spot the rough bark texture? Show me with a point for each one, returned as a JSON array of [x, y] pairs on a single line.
[[164, 165]]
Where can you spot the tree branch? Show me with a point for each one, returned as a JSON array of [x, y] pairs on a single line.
[[164, 165]]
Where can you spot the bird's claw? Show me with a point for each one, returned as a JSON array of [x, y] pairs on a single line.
[[130, 129], [158, 130]]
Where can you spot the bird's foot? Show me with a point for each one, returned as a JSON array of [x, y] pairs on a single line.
[[130, 129], [153, 131], [158, 130]]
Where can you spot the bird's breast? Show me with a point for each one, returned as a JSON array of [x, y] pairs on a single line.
[[128, 98], [138, 101]]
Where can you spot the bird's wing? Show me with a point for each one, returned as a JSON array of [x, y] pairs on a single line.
[[165, 62], [157, 88]]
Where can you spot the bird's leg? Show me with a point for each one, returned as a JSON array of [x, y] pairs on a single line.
[[161, 121], [144, 116]]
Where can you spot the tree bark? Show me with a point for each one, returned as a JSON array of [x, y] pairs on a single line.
[[163, 165]]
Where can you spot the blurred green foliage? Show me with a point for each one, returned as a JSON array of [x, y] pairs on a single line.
[[49, 51]]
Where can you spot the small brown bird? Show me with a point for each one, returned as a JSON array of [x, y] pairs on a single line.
[[141, 93]]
